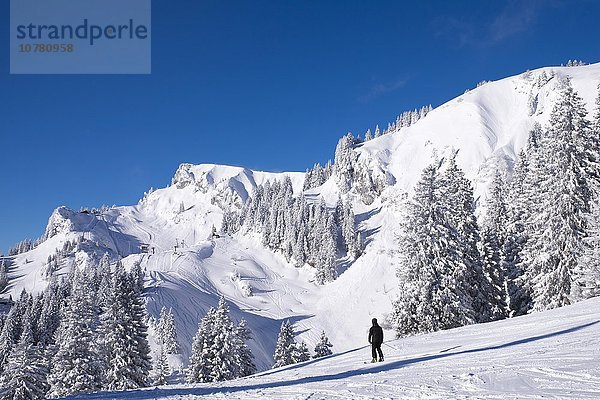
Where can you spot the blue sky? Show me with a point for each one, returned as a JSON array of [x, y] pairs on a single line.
[[269, 85]]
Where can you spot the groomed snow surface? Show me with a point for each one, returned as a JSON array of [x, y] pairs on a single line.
[[554, 354]]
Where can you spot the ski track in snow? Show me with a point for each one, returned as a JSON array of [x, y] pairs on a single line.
[[549, 355]]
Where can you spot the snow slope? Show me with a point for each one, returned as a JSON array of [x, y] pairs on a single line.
[[554, 354], [188, 270]]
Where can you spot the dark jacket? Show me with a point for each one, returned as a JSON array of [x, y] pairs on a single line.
[[376, 334]]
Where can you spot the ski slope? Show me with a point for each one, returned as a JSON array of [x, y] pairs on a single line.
[[188, 270], [554, 354]]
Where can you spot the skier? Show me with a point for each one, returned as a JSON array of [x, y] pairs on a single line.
[[376, 340]]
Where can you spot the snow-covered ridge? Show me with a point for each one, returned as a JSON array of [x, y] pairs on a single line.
[[241, 180], [487, 125]]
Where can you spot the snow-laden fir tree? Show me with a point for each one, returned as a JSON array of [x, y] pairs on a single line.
[[556, 231], [521, 205], [323, 348], [348, 228], [300, 353], [9, 336], [345, 159], [467, 278], [587, 273], [124, 332], [25, 375], [76, 366], [246, 358], [493, 237], [286, 345], [3, 274], [50, 315], [496, 307], [104, 279], [219, 351], [434, 293], [161, 368], [226, 356], [326, 267], [202, 356], [167, 331]]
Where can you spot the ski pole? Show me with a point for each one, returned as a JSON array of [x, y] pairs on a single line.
[[391, 347]]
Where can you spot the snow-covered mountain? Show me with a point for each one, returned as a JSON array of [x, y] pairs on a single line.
[[554, 354], [170, 230]]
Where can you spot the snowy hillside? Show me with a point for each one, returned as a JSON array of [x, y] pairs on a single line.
[[187, 268], [554, 354]]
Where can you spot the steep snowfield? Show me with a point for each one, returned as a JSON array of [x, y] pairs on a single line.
[[554, 354], [188, 270], [488, 125]]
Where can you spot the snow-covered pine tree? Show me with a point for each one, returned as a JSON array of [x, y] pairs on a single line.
[[326, 271], [493, 238], [348, 229], [286, 346], [3, 274], [496, 217], [231, 221], [104, 277], [167, 331], [345, 158], [521, 206], [202, 356], [466, 278], [495, 287], [139, 328], [50, 315], [300, 353], [25, 375], [432, 266], [161, 368], [123, 328], [323, 348], [226, 360], [587, 274], [588, 270], [76, 367], [246, 358], [219, 351], [9, 336], [555, 242]]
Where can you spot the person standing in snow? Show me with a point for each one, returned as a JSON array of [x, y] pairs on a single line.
[[376, 340]]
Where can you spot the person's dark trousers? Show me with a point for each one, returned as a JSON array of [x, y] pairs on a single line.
[[375, 349]]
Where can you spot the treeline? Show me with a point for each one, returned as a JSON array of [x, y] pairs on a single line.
[[404, 120], [288, 351], [82, 334], [537, 248]]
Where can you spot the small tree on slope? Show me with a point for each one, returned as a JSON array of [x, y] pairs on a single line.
[[167, 332], [285, 347], [323, 348], [219, 351]]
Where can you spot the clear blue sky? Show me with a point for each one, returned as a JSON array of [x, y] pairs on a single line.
[[269, 85]]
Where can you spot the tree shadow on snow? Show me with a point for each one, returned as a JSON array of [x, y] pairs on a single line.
[[375, 368]]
